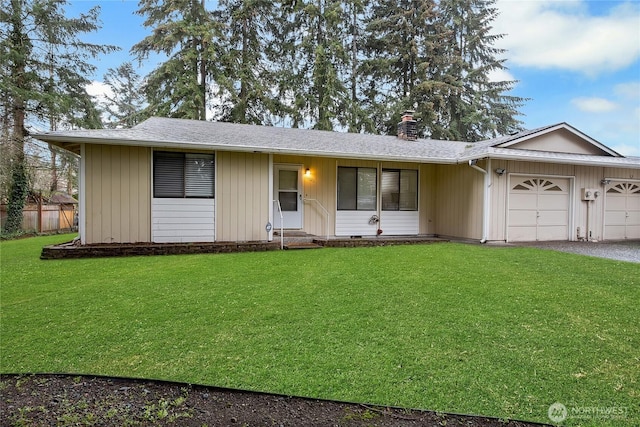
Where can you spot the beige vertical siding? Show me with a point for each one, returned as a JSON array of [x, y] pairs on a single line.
[[427, 199], [242, 196], [459, 200], [583, 177], [118, 194], [615, 173], [498, 201]]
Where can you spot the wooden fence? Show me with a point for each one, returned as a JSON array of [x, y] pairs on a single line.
[[44, 218]]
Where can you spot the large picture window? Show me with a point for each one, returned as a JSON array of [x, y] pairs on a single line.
[[357, 188], [183, 175], [399, 190]]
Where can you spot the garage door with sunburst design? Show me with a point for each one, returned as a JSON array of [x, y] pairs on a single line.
[[622, 211], [538, 209]]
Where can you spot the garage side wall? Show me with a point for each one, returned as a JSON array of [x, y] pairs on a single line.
[[242, 196], [459, 200], [118, 194]]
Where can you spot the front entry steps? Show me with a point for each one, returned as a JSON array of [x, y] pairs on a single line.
[[294, 239], [302, 245]]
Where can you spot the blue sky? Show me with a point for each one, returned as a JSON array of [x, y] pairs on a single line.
[[578, 61]]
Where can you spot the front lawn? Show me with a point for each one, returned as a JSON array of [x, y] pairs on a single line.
[[460, 328]]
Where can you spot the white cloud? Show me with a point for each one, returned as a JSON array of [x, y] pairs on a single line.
[[629, 91], [618, 128], [562, 34], [98, 90], [498, 75], [627, 150], [594, 105]]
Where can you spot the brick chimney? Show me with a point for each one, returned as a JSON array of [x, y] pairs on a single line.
[[408, 128]]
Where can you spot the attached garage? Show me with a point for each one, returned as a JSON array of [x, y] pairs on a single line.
[[622, 211], [538, 208]]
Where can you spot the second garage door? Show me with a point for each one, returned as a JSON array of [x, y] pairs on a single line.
[[538, 209], [622, 214]]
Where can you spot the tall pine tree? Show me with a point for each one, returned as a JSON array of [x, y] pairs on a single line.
[[125, 103], [401, 56], [188, 34], [43, 80], [244, 86], [356, 115], [482, 108], [310, 59]]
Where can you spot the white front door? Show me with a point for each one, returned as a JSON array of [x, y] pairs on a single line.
[[287, 183]]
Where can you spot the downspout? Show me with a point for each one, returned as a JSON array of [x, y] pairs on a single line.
[[486, 197], [82, 196], [270, 220]]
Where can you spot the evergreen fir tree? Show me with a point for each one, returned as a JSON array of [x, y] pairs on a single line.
[[482, 108], [357, 115], [244, 80], [125, 103], [310, 59], [400, 50], [187, 33], [43, 80]]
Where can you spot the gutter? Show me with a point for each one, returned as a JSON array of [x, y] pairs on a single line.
[[486, 197], [598, 161], [62, 139]]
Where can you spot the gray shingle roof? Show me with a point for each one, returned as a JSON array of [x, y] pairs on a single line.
[[193, 134]]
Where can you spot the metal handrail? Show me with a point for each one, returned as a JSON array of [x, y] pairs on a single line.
[[325, 211], [281, 224]]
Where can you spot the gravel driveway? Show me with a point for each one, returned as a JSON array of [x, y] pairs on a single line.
[[621, 251]]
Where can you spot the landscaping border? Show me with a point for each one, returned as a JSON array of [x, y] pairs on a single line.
[[70, 250]]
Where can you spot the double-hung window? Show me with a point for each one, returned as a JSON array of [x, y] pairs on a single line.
[[183, 175], [357, 188], [399, 190]]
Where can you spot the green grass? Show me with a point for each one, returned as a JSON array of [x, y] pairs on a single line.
[[502, 332]]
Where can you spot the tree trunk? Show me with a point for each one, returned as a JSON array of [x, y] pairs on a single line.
[[353, 126], [19, 185], [54, 169], [203, 69], [241, 112]]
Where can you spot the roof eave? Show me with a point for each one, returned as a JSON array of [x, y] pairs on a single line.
[[553, 128], [612, 162], [63, 140]]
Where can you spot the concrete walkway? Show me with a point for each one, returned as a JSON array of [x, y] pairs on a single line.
[[621, 251]]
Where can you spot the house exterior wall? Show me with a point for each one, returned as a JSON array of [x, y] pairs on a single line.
[[242, 196], [117, 202], [560, 141], [117, 183], [427, 199], [580, 176], [320, 188], [459, 201], [182, 220], [401, 222]]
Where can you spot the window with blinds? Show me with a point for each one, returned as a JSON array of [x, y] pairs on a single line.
[[399, 190], [357, 188], [183, 175]]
